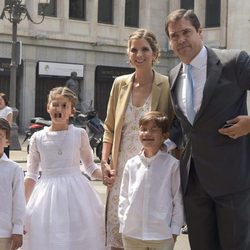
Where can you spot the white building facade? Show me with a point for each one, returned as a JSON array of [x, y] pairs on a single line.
[[94, 44]]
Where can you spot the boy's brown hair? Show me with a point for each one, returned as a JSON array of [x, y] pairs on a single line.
[[160, 120], [4, 125]]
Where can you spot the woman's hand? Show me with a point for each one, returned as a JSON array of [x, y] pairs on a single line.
[[108, 174]]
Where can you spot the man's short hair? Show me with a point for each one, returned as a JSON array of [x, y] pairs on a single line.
[[176, 15]]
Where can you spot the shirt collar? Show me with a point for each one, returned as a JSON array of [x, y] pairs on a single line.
[[4, 158], [201, 59], [147, 160]]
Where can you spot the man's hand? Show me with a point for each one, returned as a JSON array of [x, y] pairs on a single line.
[[240, 127], [16, 241], [108, 174]]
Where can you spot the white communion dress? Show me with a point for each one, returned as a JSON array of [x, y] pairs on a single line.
[[64, 212]]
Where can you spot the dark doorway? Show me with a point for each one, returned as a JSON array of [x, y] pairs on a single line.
[[43, 86], [5, 80], [104, 78]]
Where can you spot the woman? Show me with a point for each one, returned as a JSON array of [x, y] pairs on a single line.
[[130, 98], [6, 113]]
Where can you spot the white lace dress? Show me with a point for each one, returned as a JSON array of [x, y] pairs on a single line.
[[129, 147], [64, 212]]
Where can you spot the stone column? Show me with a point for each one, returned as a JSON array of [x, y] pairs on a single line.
[[14, 142], [200, 10], [28, 90], [88, 86]]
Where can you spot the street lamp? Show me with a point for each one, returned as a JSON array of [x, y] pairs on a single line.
[[15, 11]]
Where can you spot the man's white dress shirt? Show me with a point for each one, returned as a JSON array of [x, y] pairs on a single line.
[[150, 205], [12, 199], [199, 72]]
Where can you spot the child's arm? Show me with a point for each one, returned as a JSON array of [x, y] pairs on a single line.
[[32, 173], [29, 185], [108, 173], [123, 198], [16, 241], [178, 210], [87, 157], [97, 174], [18, 202], [9, 118]]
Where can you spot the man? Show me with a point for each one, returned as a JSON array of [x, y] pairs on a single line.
[[73, 84], [215, 163]]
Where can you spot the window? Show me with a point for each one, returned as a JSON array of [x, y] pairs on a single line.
[[77, 9], [187, 4], [49, 10], [105, 11], [132, 13], [212, 13]]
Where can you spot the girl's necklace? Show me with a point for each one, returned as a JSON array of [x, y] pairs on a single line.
[[59, 145]]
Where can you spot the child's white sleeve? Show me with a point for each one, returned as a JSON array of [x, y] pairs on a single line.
[[123, 198], [170, 145], [19, 206], [178, 210], [33, 159], [86, 154]]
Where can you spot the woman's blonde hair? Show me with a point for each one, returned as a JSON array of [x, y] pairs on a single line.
[[149, 37]]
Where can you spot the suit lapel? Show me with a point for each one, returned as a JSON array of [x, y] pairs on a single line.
[[173, 81], [173, 75], [214, 69], [156, 91], [124, 95]]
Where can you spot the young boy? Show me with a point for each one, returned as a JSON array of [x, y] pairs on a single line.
[[12, 200], [150, 205]]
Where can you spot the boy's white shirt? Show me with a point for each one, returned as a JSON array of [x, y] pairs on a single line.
[[12, 198], [170, 145], [150, 203]]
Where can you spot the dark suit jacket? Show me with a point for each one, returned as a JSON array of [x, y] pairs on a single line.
[[222, 164]]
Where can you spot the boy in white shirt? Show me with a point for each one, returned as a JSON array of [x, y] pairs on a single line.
[[12, 199], [150, 205]]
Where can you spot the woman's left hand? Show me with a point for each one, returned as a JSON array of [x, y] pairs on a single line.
[[108, 175]]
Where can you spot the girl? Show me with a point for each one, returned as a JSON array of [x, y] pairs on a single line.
[[63, 211], [6, 113]]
